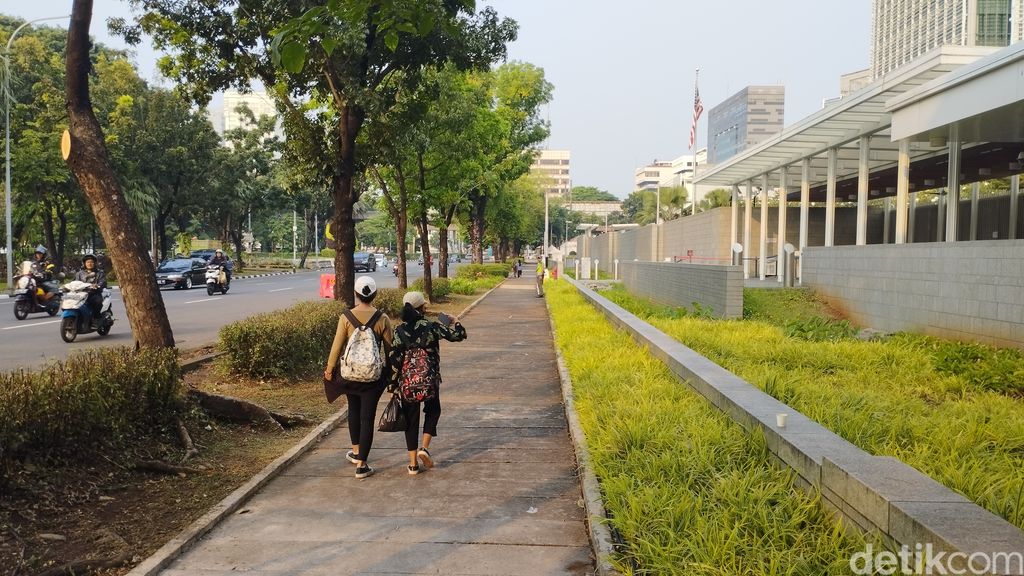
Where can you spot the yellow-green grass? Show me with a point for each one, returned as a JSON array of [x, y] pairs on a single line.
[[942, 407], [689, 491]]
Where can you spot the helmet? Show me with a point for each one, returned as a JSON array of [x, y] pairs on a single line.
[[218, 251], [41, 250], [88, 257]]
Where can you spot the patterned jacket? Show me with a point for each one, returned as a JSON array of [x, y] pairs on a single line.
[[422, 333]]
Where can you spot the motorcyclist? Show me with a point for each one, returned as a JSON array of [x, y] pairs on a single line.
[[97, 279], [43, 268], [221, 259]]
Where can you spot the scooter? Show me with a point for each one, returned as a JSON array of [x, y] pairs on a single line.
[[216, 279], [26, 294], [77, 318]]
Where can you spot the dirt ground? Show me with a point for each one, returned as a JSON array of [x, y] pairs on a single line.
[[63, 509]]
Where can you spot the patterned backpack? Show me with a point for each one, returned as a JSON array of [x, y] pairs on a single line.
[[363, 360], [419, 378]]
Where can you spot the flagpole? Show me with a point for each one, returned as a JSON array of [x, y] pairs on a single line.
[[693, 179]]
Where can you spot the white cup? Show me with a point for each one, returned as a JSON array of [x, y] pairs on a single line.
[[780, 420]]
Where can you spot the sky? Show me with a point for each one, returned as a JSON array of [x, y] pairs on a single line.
[[623, 72]]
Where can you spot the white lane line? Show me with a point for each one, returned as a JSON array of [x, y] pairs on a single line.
[[203, 300], [261, 283], [30, 325], [282, 289]]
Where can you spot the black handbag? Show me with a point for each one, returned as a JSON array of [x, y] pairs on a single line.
[[393, 418]]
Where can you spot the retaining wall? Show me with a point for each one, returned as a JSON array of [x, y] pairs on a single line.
[[718, 288], [963, 290], [877, 494]]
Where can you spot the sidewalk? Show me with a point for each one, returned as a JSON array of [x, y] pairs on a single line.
[[502, 498]]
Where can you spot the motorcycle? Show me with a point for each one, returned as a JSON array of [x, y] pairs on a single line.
[[394, 269], [77, 318], [216, 279], [26, 295]]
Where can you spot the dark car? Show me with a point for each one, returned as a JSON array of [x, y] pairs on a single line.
[[364, 262], [181, 273], [204, 254]]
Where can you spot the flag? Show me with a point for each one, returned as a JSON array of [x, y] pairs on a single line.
[[698, 109]]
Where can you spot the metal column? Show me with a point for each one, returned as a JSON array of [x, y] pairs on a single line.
[[748, 216], [862, 190], [763, 256], [805, 209], [902, 190], [975, 193], [734, 213], [953, 186], [912, 218], [1014, 204], [830, 198], [780, 251]]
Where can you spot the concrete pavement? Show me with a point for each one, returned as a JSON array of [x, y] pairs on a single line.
[[502, 499]]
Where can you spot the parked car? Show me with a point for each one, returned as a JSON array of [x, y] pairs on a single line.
[[382, 260], [364, 262], [181, 273], [204, 254]]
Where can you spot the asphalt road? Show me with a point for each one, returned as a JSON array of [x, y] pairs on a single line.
[[196, 318]]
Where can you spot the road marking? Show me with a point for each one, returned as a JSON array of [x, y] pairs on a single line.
[[203, 300], [261, 283], [30, 325], [282, 289]]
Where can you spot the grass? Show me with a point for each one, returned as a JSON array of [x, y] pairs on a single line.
[[954, 411], [688, 491]]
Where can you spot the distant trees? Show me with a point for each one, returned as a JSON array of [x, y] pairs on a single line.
[[585, 193]]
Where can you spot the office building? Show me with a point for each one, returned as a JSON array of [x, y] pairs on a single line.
[[744, 119], [903, 30], [258, 102], [553, 168], [651, 176]]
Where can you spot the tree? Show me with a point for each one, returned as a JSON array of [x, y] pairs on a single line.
[[591, 193], [717, 198], [349, 59], [91, 166]]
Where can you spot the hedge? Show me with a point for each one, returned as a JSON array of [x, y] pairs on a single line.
[[107, 393], [441, 287]]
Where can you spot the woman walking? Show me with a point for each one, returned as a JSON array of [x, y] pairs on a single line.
[[417, 363], [362, 396]]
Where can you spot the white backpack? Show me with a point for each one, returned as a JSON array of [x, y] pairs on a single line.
[[363, 360]]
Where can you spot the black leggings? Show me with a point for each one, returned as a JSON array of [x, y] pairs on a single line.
[[432, 412], [362, 410]]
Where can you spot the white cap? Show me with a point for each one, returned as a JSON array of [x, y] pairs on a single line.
[[365, 286], [414, 299]]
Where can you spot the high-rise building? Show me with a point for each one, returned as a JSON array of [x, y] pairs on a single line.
[[257, 101], [744, 119], [902, 30], [553, 167], [651, 176]]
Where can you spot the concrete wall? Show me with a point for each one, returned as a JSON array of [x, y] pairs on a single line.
[[718, 288], [877, 494], [964, 290]]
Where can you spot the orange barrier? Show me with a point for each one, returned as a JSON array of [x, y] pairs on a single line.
[[327, 285]]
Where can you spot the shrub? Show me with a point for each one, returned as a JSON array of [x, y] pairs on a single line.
[[105, 392], [390, 301], [441, 287], [817, 329], [474, 271], [462, 286], [327, 252], [290, 342]]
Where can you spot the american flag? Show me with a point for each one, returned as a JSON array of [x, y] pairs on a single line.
[[698, 109]]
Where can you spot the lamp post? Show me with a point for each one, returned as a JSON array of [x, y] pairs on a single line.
[[546, 228], [7, 139]]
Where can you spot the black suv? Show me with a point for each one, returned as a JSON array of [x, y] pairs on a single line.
[[364, 262]]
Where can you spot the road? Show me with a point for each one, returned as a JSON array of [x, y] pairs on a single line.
[[196, 318]]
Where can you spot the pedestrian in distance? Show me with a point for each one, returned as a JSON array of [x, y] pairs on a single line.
[[416, 363], [540, 278], [361, 372]]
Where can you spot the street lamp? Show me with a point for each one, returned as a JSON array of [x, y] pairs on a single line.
[[7, 138]]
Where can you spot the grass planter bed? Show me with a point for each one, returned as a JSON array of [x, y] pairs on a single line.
[[689, 491], [949, 410]]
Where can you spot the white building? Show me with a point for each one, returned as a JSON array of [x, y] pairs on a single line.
[[651, 176], [903, 30], [257, 101], [554, 169]]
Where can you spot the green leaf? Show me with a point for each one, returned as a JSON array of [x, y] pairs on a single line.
[[293, 57], [391, 40], [426, 23], [329, 45]]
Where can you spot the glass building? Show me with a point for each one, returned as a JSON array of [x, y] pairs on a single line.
[[744, 119], [902, 30]]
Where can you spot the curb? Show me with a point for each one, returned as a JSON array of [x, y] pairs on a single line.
[[593, 504], [195, 363], [163, 557]]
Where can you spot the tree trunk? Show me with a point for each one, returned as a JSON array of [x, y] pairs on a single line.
[[161, 230], [476, 225], [345, 197], [428, 281], [62, 235], [236, 240], [90, 164], [48, 237], [442, 235]]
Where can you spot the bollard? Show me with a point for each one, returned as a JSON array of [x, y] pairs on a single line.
[[616, 269]]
